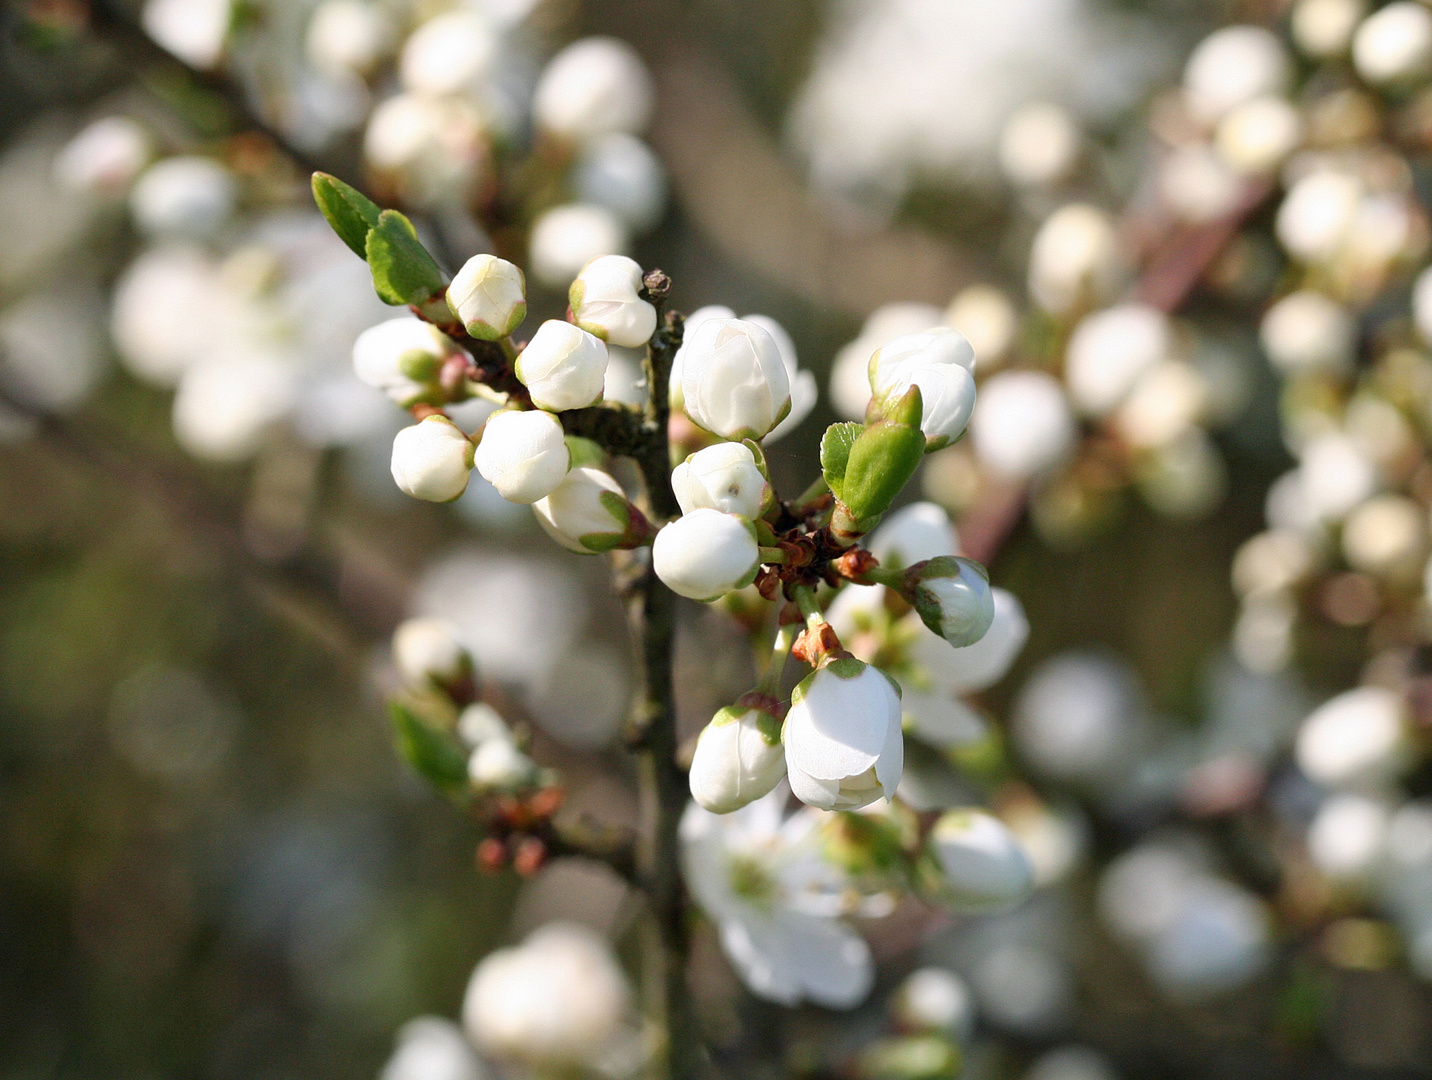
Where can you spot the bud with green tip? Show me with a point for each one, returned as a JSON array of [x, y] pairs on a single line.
[[605, 301], [489, 297], [739, 756], [498, 765], [972, 863], [432, 459], [941, 363], [953, 596], [588, 513]]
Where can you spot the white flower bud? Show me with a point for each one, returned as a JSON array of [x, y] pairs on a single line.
[[565, 238], [694, 320], [1318, 213], [844, 746], [1347, 837], [734, 381], [954, 600], [556, 1000], [1109, 350], [563, 366], [1306, 331], [432, 459], [1231, 66], [980, 865], [153, 318], [1077, 716], [489, 297], [1335, 475], [428, 652], [224, 406], [706, 554], [105, 157], [193, 30], [498, 764], [988, 320], [524, 455], [1039, 145], [1386, 535], [1394, 44], [479, 722], [1075, 257], [448, 54], [1353, 740], [941, 363], [1163, 405], [1022, 425], [739, 758], [913, 534], [593, 87], [623, 174], [849, 376], [935, 999], [431, 1048], [347, 37], [1259, 134], [978, 666], [722, 477], [401, 357], [588, 512], [605, 302], [184, 197], [1198, 184], [1323, 28]]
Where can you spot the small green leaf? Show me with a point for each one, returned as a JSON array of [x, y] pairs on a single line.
[[348, 210], [835, 447], [585, 452], [403, 271], [437, 756]]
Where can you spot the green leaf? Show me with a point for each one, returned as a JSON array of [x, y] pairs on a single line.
[[835, 447], [348, 210], [437, 756], [403, 271], [883, 459]]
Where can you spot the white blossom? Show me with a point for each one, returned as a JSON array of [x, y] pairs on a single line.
[[1039, 145], [224, 406], [1231, 66], [1318, 213], [1258, 135], [913, 534], [1394, 44], [450, 53], [941, 363], [193, 30], [596, 86], [722, 477], [558, 999], [705, 554], [489, 297], [432, 459], [1353, 740], [981, 665], [734, 382], [401, 357], [935, 999], [739, 758], [497, 763], [523, 454], [567, 237], [1306, 330], [605, 302], [563, 366], [1075, 257], [624, 175], [348, 37], [586, 513], [988, 320], [1346, 837], [980, 865], [104, 157], [1022, 425], [435, 149], [773, 898], [1109, 350], [1324, 28], [187, 197], [432, 1048], [844, 747], [953, 598], [1077, 717]]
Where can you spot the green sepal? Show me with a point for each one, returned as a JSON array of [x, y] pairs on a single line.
[[585, 453], [835, 447], [437, 756], [882, 461], [403, 271], [351, 213]]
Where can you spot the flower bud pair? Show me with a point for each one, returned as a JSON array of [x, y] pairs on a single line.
[[432, 459], [739, 756]]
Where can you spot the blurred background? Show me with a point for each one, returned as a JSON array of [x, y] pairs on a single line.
[[212, 864]]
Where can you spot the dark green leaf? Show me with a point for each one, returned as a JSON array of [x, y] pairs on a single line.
[[437, 756], [348, 210], [403, 271], [835, 447]]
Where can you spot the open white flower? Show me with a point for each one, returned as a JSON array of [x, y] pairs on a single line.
[[844, 748], [734, 382], [524, 454], [722, 477], [563, 366], [558, 999], [401, 357], [706, 554], [489, 297], [739, 758], [605, 302], [978, 864], [804, 391], [588, 513], [773, 898], [432, 459]]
